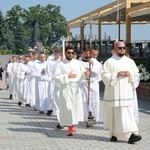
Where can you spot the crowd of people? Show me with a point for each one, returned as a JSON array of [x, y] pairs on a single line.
[[69, 88]]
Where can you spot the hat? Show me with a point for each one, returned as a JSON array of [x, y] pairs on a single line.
[[30, 50]]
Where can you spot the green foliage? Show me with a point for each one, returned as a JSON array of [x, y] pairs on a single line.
[[58, 44], [141, 67], [21, 38], [6, 52], [14, 16], [48, 49], [144, 73], [17, 27], [6, 35]]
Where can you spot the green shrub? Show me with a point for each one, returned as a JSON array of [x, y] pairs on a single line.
[[6, 52]]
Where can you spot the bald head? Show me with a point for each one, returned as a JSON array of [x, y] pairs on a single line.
[[119, 48]]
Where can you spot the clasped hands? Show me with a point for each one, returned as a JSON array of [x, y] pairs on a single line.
[[123, 74], [73, 75], [43, 71]]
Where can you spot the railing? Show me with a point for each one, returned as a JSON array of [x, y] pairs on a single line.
[[139, 50]]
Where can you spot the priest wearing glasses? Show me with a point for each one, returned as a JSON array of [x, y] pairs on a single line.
[[119, 74]]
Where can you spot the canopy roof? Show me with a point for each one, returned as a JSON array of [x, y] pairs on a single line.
[[139, 11]]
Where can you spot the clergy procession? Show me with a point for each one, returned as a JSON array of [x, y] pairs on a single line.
[[68, 88]]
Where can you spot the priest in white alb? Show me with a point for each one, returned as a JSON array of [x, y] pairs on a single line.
[[118, 74], [52, 84], [68, 72], [26, 85], [11, 75], [95, 78], [41, 84], [19, 72], [30, 65]]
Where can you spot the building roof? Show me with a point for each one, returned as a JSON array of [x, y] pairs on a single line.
[[139, 11]]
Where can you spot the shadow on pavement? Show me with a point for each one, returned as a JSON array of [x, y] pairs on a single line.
[[144, 106]]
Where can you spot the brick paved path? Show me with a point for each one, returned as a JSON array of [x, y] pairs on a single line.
[[22, 128]]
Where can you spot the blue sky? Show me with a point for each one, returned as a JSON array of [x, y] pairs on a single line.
[[71, 9]]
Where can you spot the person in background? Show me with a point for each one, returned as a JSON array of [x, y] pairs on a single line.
[[15, 79], [41, 84], [1, 71], [31, 77], [75, 55], [52, 55], [26, 83], [90, 91], [29, 53], [18, 71], [11, 75], [6, 74], [53, 87], [95, 53]]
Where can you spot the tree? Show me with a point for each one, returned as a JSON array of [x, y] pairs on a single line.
[[16, 24], [53, 24], [58, 25], [14, 16], [18, 21], [6, 35], [21, 38]]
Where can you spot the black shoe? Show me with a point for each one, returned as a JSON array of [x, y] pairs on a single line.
[[35, 109], [59, 126], [28, 105], [70, 135], [7, 87], [41, 112], [49, 112], [19, 103], [10, 97], [87, 124], [90, 117], [113, 139], [134, 138]]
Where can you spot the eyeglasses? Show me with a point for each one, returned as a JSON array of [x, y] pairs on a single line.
[[120, 48], [20, 58], [70, 53]]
